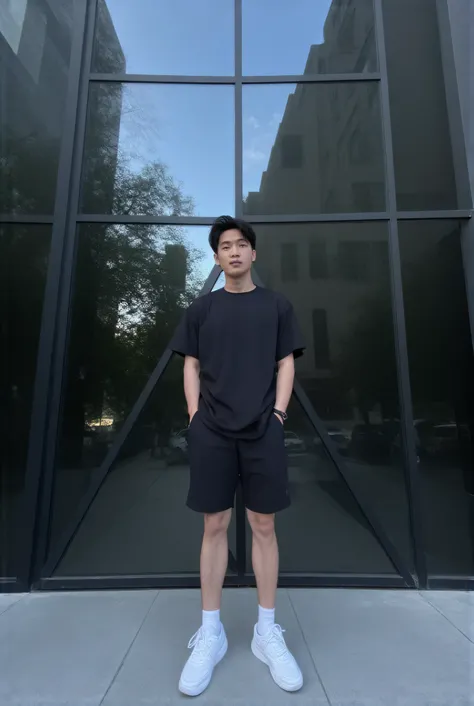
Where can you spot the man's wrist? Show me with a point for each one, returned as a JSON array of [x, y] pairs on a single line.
[[281, 413]]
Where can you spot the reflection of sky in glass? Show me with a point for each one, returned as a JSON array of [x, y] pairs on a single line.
[[191, 130], [220, 282], [189, 37], [263, 109], [196, 239], [196, 37], [277, 35]]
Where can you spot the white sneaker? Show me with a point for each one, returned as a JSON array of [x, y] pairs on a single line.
[[271, 649], [208, 651]]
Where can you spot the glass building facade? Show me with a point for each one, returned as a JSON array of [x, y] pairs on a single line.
[[341, 129]]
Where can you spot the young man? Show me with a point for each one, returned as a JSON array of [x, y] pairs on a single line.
[[239, 345]]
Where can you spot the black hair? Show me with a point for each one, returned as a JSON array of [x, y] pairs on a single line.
[[224, 223]]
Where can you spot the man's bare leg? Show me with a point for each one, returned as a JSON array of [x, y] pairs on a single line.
[[214, 557], [209, 644], [264, 557], [268, 643]]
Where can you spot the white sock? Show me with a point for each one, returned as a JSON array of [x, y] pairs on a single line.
[[211, 621], [266, 620]]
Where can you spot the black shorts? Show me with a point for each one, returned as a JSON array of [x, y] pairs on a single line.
[[218, 463]]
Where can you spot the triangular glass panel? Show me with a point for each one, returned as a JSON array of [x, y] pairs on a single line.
[[138, 522], [133, 284], [337, 277], [323, 530]]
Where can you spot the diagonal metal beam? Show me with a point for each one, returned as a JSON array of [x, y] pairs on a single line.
[[58, 550], [412, 476], [31, 528], [380, 534]]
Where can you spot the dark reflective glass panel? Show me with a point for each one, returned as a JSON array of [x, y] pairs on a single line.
[[132, 284], [442, 383], [422, 147], [24, 252], [308, 36], [165, 37], [159, 150], [349, 369], [139, 523], [35, 47], [312, 148], [324, 530]]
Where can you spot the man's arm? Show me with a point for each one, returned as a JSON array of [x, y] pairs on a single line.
[[285, 379], [192, 384]]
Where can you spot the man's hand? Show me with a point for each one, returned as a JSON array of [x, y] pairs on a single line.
[[191, 415], [279, 418]]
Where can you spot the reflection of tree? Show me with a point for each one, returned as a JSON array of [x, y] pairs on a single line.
[[133, 285], [112, 182], [133, 281]]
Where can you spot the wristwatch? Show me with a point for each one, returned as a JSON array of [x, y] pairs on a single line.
[[282, 415]]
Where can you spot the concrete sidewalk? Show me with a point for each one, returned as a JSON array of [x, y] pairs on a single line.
[[126, 648]]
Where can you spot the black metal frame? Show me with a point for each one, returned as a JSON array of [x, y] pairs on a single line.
[[61, 583], [52, 354], [39, 415]]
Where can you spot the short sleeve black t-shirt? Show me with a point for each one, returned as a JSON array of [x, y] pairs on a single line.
[[238, 340]]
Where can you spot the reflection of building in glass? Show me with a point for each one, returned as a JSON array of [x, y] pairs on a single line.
[[327, 152], [175, 263], [35, 42], [34, 50], [105, 111], [108, 52], [336, 276], [420, 123], [349, 40]]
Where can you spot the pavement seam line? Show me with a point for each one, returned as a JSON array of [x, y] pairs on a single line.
[[307, 647], [12, 605], [438, 610], [127, 652]]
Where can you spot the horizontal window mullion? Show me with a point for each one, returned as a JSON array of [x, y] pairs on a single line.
[[319, 217], [28, 219], [311, 78], [160, 78], [226, 80], [208, 220], [117, 218], [433, 215]]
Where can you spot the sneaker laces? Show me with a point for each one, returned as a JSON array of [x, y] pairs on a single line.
[[276, 642], [201, 644]]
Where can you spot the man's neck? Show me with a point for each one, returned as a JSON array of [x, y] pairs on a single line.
[[239, 285]]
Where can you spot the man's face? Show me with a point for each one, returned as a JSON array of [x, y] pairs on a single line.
[[234, 253]]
